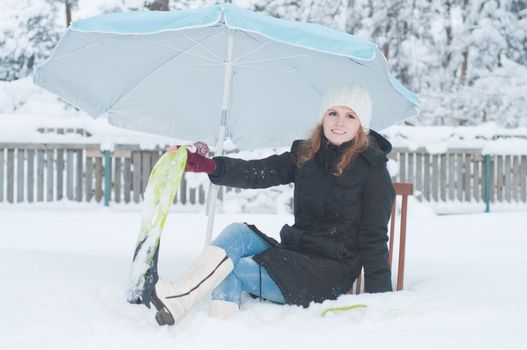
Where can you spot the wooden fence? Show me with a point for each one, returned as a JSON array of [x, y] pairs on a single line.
[[463, 175], [50, 172]]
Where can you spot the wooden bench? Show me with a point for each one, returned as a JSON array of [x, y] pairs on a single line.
[[404, 190]]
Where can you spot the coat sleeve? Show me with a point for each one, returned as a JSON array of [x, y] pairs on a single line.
[[377, 199], [259, 173]]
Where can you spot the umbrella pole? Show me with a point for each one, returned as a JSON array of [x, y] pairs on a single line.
[[213, 189]]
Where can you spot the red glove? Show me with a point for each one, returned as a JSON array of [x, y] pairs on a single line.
[[197, 161]]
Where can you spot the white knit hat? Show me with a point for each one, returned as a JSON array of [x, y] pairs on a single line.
[[353, 96]]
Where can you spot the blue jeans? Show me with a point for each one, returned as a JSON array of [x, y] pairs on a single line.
[[241, 243]]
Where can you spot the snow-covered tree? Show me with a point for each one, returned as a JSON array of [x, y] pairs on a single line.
[[68, 6], [332, 13], [29, 29], [157, 5], [472, 39], [192, 4]]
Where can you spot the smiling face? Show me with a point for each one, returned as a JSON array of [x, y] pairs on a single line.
[[341, 124]]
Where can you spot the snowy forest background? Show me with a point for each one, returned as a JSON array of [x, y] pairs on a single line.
[[466, 59]]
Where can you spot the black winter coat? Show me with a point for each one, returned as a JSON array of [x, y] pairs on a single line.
[[340, 221]]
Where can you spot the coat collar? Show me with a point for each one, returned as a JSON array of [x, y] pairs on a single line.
[[375, 154], [378, 149], [328, 147]]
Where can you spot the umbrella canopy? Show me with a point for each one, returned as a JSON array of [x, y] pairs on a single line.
[[184, 74]]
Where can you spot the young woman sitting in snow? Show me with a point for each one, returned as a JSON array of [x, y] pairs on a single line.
[[342, 200]]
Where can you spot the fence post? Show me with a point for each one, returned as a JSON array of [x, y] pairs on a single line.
[[487, 183], [107, 178]]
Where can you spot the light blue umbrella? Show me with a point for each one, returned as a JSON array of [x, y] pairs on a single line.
[[216, 72]]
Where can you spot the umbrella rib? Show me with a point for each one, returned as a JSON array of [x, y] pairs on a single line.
[[84, 48], [196, 43], [367, 68], [203, 47], [184, 51], [198, 64], [251, 52], [292, 65], [149, 74], [219, 60], [273, 59], [267, 69]]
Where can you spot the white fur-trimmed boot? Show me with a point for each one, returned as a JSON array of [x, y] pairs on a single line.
[[174, 300], [223, 309]]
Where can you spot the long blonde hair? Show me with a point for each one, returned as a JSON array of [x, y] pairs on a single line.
[[311, 146]]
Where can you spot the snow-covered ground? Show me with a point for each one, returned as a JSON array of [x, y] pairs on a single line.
[[64, 269]]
